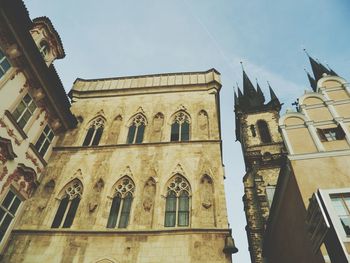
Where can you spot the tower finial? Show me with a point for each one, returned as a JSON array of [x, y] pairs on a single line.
[[307, 54]]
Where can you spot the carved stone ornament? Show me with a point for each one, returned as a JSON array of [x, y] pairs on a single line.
[[206, 205]]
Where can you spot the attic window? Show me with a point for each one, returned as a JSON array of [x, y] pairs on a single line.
[[44, 48], [331, 134]]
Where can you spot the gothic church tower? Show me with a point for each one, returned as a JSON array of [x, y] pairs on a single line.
[[262, 146]]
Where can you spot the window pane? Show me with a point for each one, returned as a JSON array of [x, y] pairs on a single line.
[[183, 202], [15, 205], [2, 213], [21, 123], [97, 137], [175, 127], [71, 212], [183, 219], [8, 199], [140, 132], [20, 108], [345, 221], [32, 106], [51, 135], [131, 133], [4, 226], [170, 209], [88, 137], [27, 98], [44, 148], [124, 216], [5, 65], [113, 214], [170, 218], [185, 131], [60, 212], [339, 206], [40, 142]]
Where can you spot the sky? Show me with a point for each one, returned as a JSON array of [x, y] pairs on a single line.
[[122, 38]]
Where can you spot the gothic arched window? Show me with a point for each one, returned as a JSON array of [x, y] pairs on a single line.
[[137, 129], [94, 132], [180, 128], [264, 131], [121, 204], [68, 205], [177, 206]]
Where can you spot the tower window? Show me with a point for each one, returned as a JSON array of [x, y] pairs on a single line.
[[44, 140], [4, 64], [8, 210], [121, 204], [137, 129], [44, 49], [252, 129], [68, 205], [180, 128], [332, 134], [94, 132], [264, 131], [24, 110], [177, 206]]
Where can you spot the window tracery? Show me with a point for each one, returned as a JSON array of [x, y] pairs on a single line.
[[137, 129], [94, 133], [121, 204], [68, 205], [177, 207], [180, 127]]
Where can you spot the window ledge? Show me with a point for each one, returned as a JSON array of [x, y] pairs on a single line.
[[126, 232], [14, 123], [108, 146]]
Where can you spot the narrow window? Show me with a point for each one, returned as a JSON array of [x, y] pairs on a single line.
[[136, 129], [341, 203], [180, 128], [68, 205], [8, 210], [177, 205], [44, 140], [252, 129], [121, 205], [44, 49], [332, 134], [94, 133], [24, 110], [4, 64], [264, 131]]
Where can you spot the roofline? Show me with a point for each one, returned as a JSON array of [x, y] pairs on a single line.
[[149, 75]]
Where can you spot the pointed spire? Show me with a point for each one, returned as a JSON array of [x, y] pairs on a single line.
[[272, 93], [235, 96], [248, 87], [260, 93], [312, 81], [318, 69], [333, 73]]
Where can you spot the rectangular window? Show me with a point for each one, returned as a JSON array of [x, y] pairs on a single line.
[[44, 140], [341, 204], [24, 110], [4, 64], [8, 210], [332, 134]]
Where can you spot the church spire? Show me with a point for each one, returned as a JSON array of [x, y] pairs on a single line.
[[260, 94], [312, 81], [318, 69], [272, 93], [248, 87]]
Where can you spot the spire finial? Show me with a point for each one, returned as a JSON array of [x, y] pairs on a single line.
[[306, 52], [241, 62]]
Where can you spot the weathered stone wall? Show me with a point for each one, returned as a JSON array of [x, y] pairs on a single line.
[[150, 165]]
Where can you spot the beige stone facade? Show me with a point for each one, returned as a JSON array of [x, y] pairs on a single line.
[[315, 179], [156, 160]]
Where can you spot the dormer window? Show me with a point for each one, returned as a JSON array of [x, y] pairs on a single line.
[[331, 134], [44, 49]]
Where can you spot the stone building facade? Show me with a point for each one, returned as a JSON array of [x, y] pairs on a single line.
[[140, 143], [263, 151], [34, 109], [130, 172], [309, 219]]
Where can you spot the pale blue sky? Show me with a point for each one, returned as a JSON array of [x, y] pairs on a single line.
[[116, 38]]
